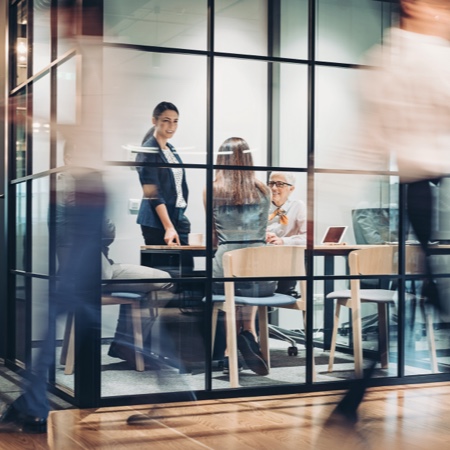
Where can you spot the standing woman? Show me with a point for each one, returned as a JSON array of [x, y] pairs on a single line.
[[240, 212], [165, 191]]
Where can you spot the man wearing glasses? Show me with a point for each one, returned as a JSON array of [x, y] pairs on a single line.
[[287, 219]]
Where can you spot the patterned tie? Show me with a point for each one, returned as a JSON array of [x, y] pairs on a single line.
[[281, 213]]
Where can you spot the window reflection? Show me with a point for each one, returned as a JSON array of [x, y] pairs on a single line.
[[41, 124], [241, 27], [166, 24], [21, 50], [347, 28]]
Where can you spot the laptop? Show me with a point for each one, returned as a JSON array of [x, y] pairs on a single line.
[[334, 235]]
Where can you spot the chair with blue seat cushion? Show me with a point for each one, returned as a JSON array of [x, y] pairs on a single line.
[[267, 261], [133, 299]]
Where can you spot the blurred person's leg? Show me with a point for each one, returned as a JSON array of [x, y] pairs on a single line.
[[420, 209]]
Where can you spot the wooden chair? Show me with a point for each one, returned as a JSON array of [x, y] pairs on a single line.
[[380, 260], [267, 261], [133, 299]]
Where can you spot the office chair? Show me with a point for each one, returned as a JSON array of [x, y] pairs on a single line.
[[133, 299], [267, 261], [380, 260]]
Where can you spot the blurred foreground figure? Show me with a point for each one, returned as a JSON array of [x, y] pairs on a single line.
[[78, 285], [407, 100], [78, 289]]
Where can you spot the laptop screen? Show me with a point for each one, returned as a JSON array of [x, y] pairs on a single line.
[[334, 235]]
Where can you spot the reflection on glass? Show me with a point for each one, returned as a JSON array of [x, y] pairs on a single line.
[[21, 45], [41, 37], [133, 84], [347, 28], [368, 206], [41, 124], [21, 216], [338, 115], [241, 27], [294, 29], [291, 124], [179, 24], [20, 320], [241, 87], [66, 97], [20, 133], [39, 315], [40, 230]]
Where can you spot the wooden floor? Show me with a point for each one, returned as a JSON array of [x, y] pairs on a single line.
[[410, 417]]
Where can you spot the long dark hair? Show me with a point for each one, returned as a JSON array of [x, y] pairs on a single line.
[[236, 187], [159, 109]]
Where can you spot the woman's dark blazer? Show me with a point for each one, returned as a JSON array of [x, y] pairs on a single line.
[[164, 185]]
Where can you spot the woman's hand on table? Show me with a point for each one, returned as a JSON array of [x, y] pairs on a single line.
[[171, 237], [272, 238]]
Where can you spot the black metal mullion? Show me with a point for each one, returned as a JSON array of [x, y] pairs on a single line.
[[209, 193], [310, 189]]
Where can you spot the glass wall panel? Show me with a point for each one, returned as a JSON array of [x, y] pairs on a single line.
[[20, 319], [339, 129], [41, 124], [368, 206], [174, 23], [21, 43], [21, 226], [241, 27], [291, 122], [41, 37], [40, 230], [20, 133], [346, 29], [66, 98], [240, 107], [294, 29], [242, 222], [39, 315], [172, 318], [134, 83]]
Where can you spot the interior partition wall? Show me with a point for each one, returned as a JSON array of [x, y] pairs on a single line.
[[283, 75]]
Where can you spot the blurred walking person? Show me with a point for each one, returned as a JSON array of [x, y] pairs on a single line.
[[406, 93]]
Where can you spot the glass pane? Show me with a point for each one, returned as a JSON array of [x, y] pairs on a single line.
[[41, 124], [293, 101], [176, 23], [294, 29], [346, 29], [169, 317], [367, 205], [240, 87], [21, 45], [41, 37], [241, 27], [133, 86], [338, 120], [20, 318], [21, 217], [40, 232], [39, 315], [20, 133], [66, 109]]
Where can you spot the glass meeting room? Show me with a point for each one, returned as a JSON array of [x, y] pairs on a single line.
[[281, 79]]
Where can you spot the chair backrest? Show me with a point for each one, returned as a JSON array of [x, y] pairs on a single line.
[[268, 261], [377, 260]]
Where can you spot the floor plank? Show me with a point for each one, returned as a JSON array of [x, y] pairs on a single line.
[[408, 417]]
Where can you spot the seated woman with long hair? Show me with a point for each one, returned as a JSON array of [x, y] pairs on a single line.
[[240, 212]]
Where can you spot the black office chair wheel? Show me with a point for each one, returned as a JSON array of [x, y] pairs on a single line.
[[292, 351]]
